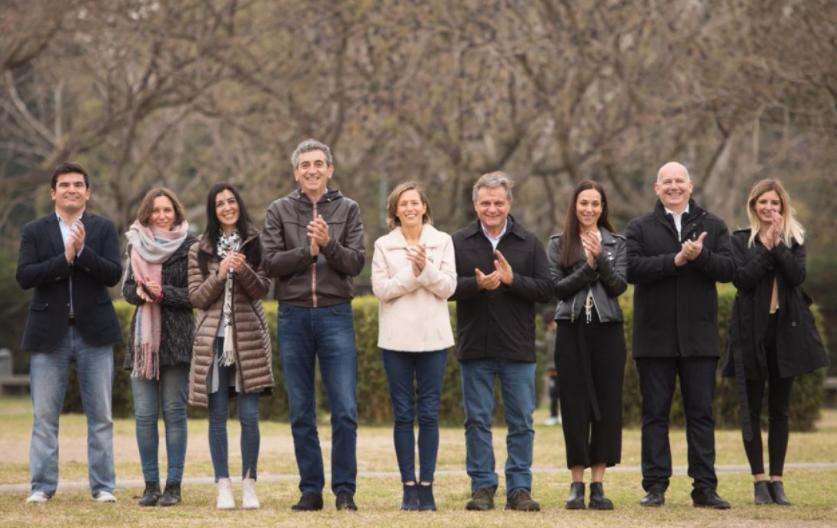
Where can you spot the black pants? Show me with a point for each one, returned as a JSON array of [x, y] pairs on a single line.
[[591, 362], [778, 405], [553, 395], [697, 386]]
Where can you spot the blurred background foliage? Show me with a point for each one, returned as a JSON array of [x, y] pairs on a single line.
[[182, 94]]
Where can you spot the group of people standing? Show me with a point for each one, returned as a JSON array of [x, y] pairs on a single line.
[[494, 269]]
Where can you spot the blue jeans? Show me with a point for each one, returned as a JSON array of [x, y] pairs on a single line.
[[517, 383], [48, 375], [326, 334], [248, 415], [149, 395], [416, 374]]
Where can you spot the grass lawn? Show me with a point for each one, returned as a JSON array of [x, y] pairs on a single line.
[[814, 491]]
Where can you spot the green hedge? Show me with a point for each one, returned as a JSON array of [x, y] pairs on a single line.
[[373, 394]]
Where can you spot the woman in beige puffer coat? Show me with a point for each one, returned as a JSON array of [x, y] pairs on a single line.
[[231, 355]]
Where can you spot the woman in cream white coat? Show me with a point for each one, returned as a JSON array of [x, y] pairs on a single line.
[[413, 274]]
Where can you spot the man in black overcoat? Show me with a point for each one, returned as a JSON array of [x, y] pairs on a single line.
[[676, 254]]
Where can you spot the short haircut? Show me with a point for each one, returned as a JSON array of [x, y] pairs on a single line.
[[309, 145], [147, 206], [395, 195], [68, 168], [677, 165], [492, 180]]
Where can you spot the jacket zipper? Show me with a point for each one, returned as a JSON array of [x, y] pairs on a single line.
[[314, 272]]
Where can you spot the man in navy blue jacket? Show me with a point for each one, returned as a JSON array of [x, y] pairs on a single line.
[[69, 258]]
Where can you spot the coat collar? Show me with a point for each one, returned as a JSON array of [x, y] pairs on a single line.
[[206, 246], [474, 228]]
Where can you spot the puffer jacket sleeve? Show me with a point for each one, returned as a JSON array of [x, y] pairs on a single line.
[[202, 291], [255, 282]]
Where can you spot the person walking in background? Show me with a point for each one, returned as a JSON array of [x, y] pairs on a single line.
[[313, 246], [69, 258], [502, 272], [413, 274], [676, 254], [553, 385], [232, 356], [773, 336], [588, 265], [160, 342]]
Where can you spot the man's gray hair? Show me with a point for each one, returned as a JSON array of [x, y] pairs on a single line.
[[307, 146], [492, 180]]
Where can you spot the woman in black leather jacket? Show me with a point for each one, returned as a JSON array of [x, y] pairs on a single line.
[[772, 333], [587, 265]]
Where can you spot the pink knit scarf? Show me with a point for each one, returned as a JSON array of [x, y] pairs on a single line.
[[150, 247]]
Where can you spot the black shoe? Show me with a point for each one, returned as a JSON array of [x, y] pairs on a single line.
[[171, 496], [761, 492], [777, 492], [425, 497], [345, 501], [151, 494], [481, 500], [598, 501], [521, 500], [575, 500], [410, 499], [708, 498], [309, 502], [654, 498]]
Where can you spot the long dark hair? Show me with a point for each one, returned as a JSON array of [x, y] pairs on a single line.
[[571, 248], [251, 250]]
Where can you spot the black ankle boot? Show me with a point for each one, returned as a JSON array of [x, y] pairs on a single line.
[[425, 497], [761, 492], [171, 496], [151, 494], [575, 500], [777, 491], [410, 499], [598, 501]]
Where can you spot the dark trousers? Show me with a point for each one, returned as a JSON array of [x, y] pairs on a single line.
[[778, 406], [590, 358], [697, 387], [554, 392]]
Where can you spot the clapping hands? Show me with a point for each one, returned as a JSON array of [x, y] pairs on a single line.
[[502, 274], [689, 250], [417, 256]]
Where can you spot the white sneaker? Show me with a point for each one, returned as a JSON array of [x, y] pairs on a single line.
[[225, 497], [249, 500], [37, 497], [552, 420], [104, 496]]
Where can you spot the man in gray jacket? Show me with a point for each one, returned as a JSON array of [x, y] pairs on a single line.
[[313, 246]]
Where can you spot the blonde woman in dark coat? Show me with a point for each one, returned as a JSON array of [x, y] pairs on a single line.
[[772, 332], [231, 354]]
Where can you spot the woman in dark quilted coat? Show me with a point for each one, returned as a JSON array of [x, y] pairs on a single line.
[[160, 342], [772, 332]]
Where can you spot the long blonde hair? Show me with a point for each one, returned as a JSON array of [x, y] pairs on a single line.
[[791, 229]]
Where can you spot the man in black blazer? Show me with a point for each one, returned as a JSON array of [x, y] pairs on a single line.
[[676, 254], [70, 257]]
